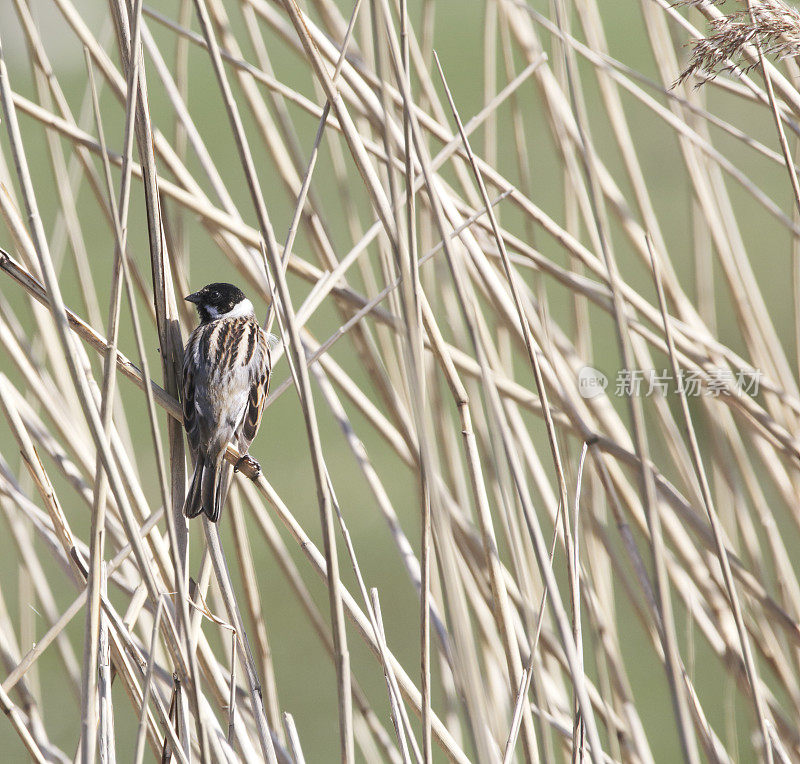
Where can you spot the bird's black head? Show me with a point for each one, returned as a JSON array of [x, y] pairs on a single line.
[[219, 299]]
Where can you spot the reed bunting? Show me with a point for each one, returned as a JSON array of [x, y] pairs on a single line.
[[226, 368]]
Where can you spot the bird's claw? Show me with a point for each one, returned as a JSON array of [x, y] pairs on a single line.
[[248, 461]]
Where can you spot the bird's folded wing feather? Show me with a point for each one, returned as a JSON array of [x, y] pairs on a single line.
[[259, 389], [190, 422]]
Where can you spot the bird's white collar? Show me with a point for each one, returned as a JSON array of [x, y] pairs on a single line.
[[242, 309]]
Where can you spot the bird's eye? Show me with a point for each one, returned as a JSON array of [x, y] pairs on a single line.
[[214, 295]]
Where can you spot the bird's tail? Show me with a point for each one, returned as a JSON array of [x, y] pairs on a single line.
[[193, 505], [208, 487]]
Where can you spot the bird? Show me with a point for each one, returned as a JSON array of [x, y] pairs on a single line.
[[226, 371]]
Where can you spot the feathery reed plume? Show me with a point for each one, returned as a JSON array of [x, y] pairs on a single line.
[[773, 24]]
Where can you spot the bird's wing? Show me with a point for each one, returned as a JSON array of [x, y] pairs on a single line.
[[190, 423], [261, 366]]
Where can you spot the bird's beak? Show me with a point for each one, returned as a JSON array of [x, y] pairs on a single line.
[[194, 297]]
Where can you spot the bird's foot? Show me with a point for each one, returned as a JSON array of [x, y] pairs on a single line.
[[247, 461]]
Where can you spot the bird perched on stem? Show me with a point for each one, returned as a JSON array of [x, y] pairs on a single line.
[[226, 368]]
